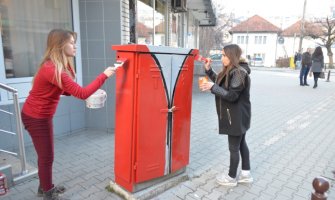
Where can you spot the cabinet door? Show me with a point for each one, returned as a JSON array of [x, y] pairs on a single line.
[[181, 121], [151, 119], [124, 123]]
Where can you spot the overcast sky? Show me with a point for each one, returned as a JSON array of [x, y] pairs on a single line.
[[271, 8]]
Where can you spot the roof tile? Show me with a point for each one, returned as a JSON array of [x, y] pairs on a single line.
[[255, 24]]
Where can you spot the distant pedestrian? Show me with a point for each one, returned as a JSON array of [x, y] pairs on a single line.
[[297, 60], [55, 77], [231, 88], [306, 63], [317, 65]]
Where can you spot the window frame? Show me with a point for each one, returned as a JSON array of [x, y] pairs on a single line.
[[23, 84]]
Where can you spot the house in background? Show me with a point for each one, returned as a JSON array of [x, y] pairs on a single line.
[[257, 37], [291, 40]]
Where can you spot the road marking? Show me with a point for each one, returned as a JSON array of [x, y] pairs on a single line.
[[301, 121]]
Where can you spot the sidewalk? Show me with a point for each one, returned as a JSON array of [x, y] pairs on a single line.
[[291, 142]]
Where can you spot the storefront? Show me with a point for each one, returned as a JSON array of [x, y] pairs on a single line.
[[99, 24]]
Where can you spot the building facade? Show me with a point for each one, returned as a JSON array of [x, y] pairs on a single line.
[[257, 37], [99, 24]]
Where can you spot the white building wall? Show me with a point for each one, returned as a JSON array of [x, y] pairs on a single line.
[[266, 50]]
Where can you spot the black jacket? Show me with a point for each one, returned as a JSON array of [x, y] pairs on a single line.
[[233, 103], [306, 59]]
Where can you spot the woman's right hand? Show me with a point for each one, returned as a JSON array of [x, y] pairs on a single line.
[[109, 71], [208, 64]]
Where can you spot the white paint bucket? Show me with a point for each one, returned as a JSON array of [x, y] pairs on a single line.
[[97, 99]]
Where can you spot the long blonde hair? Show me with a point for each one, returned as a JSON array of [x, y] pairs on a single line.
[[57, 38], [233, 52]]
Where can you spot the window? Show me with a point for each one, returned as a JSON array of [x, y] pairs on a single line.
[[145, 21], [160, 22], [256, 39], [24, 28], [247, 39], [238, 39], [174, 30], [264, 39], [151, 23], [259, 40], [242, 39]]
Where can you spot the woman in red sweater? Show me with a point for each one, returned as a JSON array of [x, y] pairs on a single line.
[[54, 77]]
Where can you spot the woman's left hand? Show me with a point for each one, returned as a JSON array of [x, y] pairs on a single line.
[[206, 86]]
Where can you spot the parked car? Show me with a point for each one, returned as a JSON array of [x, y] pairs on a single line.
[[216, 62], [257, 62], [216, 56]]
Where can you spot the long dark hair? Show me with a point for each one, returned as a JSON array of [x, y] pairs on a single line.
[[317, 52], [233, 52]]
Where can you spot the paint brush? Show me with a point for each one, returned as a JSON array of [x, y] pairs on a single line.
[[200, 58]]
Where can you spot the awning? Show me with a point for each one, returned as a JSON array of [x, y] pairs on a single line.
[[203, 11]]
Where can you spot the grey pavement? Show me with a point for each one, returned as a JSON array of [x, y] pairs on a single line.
[[291, 141]]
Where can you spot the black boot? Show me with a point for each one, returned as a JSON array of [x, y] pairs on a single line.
[[315, 83], [60, 189], [52, 195]]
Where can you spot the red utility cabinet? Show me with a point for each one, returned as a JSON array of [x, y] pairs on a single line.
[[153, 113]]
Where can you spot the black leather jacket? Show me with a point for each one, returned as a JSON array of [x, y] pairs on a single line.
[[233, 103]]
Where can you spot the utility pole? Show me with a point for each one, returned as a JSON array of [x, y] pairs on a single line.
[[302, 27], [247, 40]]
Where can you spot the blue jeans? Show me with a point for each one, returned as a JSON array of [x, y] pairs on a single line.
[[303, 74]]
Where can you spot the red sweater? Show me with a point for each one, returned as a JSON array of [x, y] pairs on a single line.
[[44, 96]]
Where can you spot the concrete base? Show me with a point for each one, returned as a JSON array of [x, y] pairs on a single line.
[[150, 192], [11, 166], [7, 170]]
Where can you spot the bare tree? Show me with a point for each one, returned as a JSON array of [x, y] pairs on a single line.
[[324, 30], [214, 37]]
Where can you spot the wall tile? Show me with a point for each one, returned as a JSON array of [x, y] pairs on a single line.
[[84, 49], [77, 120], [96, 66], [112, 31], [77, 105], [96, 49], [110, 13], [96, 118], [95, 30], [94, 11], [61, 124], [63, 106], [82, 10]]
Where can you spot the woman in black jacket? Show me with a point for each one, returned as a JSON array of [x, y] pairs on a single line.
[[231, 88]]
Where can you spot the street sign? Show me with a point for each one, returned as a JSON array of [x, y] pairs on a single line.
[[281, 40]]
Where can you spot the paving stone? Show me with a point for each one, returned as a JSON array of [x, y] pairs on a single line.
[[215, 194], [248, 196], [232, 196], [281, 197]]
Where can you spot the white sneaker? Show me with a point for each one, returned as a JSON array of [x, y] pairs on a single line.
[[226, 180], [245, 178]]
